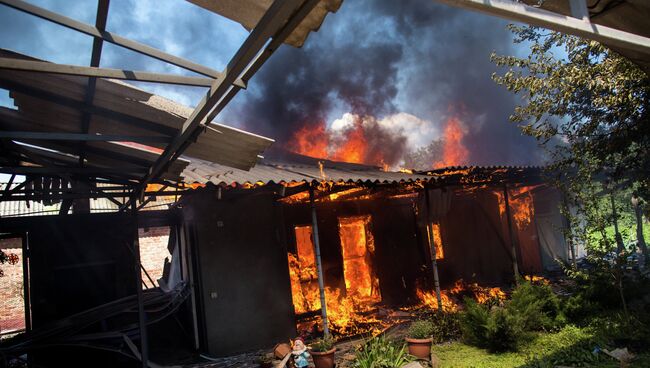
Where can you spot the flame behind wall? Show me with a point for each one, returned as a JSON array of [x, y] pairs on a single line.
[[454, 152], [357, 246]]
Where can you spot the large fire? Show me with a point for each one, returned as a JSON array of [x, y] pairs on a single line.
[[454, 152], [521, 205], [311, 140], [353, 309], [315, 140], [358, 246], [346, 309]]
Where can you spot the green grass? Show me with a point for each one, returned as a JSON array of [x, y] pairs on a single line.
[[571, 346]]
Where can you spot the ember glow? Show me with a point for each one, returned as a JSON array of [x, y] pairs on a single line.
[[454, 153]]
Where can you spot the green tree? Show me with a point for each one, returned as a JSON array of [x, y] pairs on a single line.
[[588, 106]]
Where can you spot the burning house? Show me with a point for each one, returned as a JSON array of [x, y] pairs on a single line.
[[266, 242]]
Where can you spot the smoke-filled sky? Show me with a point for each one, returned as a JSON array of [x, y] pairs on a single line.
[[394, 72]]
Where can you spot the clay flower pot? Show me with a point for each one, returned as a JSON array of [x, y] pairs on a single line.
[[420, 348], [323, 359]]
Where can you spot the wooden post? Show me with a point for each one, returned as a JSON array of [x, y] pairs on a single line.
[[142, 318], [515, 266], [319, 265], [432, 247]]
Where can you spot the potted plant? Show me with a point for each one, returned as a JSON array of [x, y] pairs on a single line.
[[265, 361], [419, 339], [322, 352]]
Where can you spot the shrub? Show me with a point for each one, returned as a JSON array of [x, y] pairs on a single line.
[[420, 329], [496, 329], [323, 344], [536, 305], [504, 330], [379, 352], [473, 323], [446, 326]]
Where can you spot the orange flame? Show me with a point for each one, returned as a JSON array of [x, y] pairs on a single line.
[[450, 298], [345, 308], [358, 246], [521, 205], [316, 141], [310, 140], [454, 153]]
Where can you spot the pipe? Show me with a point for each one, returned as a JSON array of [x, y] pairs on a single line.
[[26, 289], [142, 318], [319, 265], [515, 266], [432, 247]]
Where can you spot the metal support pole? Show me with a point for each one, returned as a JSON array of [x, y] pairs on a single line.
[[28, 314], [142, 318], [515, 266], [432, 245], [319, 265]]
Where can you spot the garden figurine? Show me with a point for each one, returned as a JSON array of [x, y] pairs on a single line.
[[300, 353]]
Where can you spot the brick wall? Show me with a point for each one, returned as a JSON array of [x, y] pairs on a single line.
[[153, 251], [12, 307]]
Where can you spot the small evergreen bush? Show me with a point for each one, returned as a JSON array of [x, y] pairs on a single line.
[[536, 305], [504, 330], [473, 323]]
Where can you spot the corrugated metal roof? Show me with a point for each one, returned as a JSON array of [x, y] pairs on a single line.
[[249, 12], [285, 167], [50, 103], [280, 166]]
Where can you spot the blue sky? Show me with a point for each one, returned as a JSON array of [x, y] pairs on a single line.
[[403, 63]]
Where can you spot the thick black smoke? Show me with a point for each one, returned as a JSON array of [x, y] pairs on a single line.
[[381, 57]]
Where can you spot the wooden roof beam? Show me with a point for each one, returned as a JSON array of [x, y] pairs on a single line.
[[57, 136], [115, 39], [96, 72]]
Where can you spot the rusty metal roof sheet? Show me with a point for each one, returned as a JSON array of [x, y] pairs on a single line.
[[280, 166]]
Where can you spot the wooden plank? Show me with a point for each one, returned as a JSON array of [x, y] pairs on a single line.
[[56, 136], [96, 72], [113, 38], [271, 25]]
